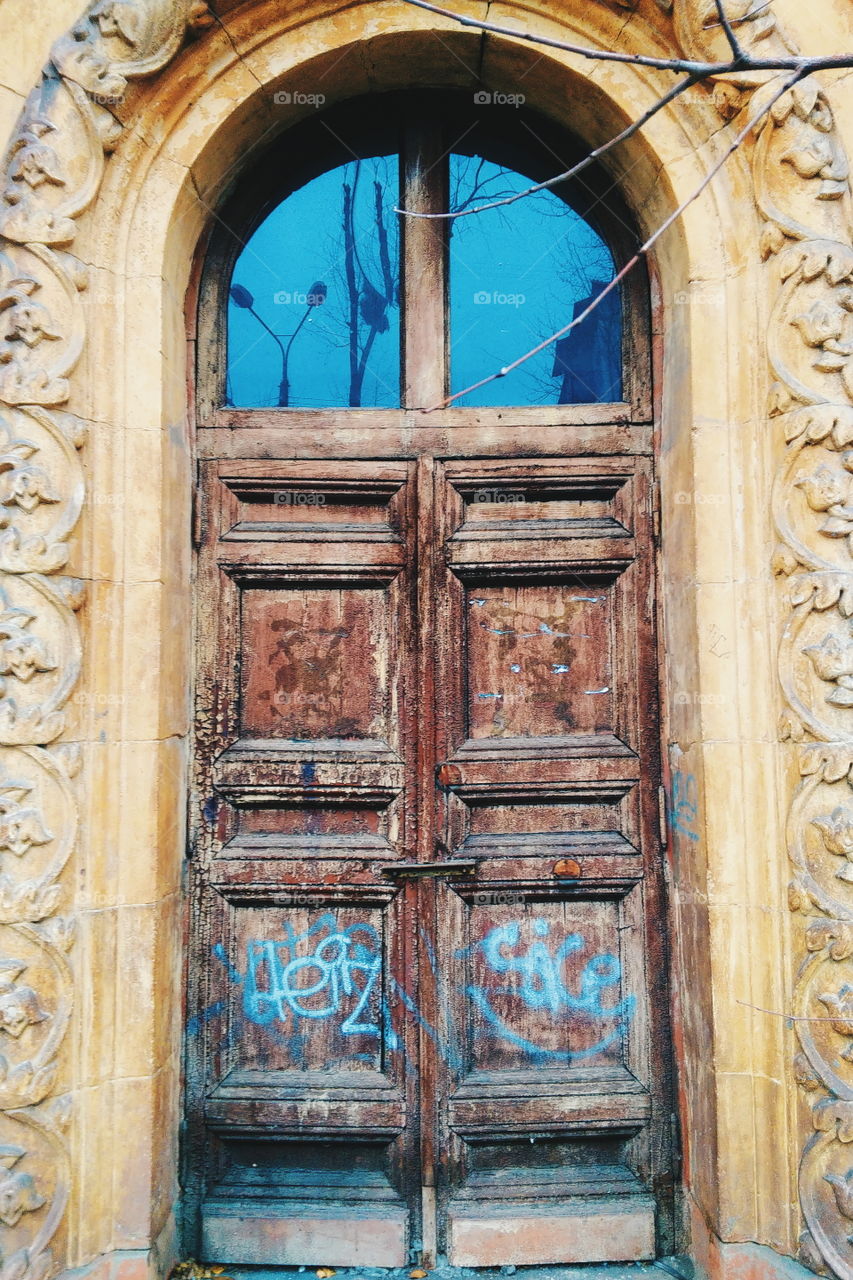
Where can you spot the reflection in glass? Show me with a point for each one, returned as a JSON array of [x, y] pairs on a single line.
[[313, 316], [518, 274]]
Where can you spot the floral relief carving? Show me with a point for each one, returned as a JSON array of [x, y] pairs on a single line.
[[799, 141], [22, 654], [22, 483], [840, 1005], [837, 831], [26, 320], [827, 490], [35, 996], [33, 160], [802, 189], [25, 221], [824, 326], [20, 1006], [24, 323], [832, 659], [816, 152], [843, 1188], [18, 1194], [37, 351], [53, 172], [834, 936], [28, 486], [118, 18]]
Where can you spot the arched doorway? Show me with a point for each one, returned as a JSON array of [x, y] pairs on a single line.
[[137, 221], [428, 969]]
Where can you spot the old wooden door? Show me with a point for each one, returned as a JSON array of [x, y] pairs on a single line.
[[428, 991]]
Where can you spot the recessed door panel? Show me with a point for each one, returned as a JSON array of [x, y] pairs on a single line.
[[540, 660], [544, 985], [311, 988], [314, 662]]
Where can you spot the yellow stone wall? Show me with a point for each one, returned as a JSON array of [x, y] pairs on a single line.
[[104, 403]]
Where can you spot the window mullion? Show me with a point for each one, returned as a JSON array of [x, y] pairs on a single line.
[[424, 297]]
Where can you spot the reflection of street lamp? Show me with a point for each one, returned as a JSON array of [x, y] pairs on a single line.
[[315, 298]]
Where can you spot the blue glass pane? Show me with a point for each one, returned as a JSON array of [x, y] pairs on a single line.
[[518, 274], [313, 316]]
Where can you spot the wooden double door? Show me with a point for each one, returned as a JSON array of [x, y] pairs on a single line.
[[428, 1003]]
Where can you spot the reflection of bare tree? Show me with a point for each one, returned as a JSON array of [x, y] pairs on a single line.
[[472, 178], [348, 232], [369, 293], [574, 257]]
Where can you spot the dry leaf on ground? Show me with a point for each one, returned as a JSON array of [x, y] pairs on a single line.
[[192, 1270]]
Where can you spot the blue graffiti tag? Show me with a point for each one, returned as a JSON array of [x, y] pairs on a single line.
[[541, 986], [281, 982], [684, 809]]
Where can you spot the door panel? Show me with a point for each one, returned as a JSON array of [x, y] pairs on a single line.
[[298, 645], [544, 984], [520, 640], [546, 775], [427, 972], [303, 1125]]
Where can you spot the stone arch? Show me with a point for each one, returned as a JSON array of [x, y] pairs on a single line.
[[94, 264]]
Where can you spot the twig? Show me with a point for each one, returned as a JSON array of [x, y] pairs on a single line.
[[605, 55], [789, 1017], [687, 66], [747, 17], [738, 52], [627, 132], [629, 266]]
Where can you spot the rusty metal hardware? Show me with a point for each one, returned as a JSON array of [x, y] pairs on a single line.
[[412, 870], [567, 869]]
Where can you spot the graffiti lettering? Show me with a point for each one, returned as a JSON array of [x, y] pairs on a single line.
[[536, 978], [282, 982], [330, 971]]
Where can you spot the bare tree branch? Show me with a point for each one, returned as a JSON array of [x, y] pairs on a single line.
[[737, 49], [747, 17], [789, 1017], [605, 55], [632, 262], [686, 66], [626, 133]]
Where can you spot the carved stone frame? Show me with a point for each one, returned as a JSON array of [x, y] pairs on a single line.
[[95, 261]]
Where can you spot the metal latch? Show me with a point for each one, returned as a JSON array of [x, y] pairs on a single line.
[[423, 870]]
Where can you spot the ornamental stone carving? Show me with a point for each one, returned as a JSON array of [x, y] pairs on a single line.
[[52, 174], [802, 189]]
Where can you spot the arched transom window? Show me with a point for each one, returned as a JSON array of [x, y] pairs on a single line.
[[337, 299]]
